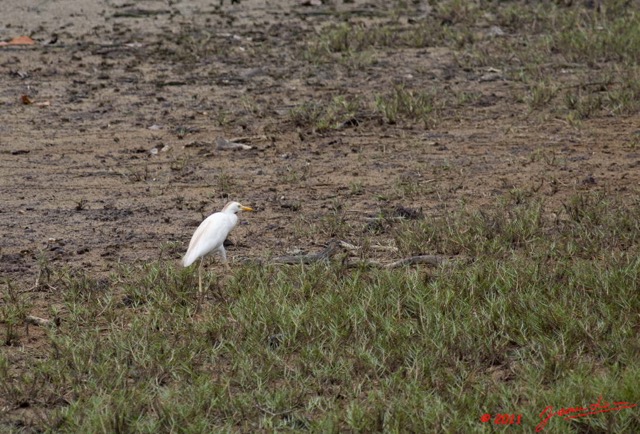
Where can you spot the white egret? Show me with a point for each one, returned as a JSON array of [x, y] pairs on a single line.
[[210, 236]]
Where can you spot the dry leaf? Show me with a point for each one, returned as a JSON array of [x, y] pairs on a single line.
[[222, 143], [18, 40], [28, 101]]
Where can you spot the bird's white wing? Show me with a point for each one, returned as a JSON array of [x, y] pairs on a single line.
[[209, 236]]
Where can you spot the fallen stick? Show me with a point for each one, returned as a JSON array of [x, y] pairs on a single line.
[[432, 260], [222, 143], [332, 248], [30, 319], [350, 246], [336, 246], [429, 260]]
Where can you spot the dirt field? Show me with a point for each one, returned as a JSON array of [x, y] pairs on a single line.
[[125, 160], [123, 149]]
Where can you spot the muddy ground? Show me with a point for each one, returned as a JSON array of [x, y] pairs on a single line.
[[123, 163]]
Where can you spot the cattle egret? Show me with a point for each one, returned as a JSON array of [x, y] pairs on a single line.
[[210, 236]]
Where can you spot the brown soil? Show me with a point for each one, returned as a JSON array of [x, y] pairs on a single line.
[[81, 186]]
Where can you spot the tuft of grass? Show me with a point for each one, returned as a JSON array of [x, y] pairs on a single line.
[[347, 37], [14, 308], [224, 182], [356, 188], [322, 117], [411, 186], [541, 94], [407, 104]]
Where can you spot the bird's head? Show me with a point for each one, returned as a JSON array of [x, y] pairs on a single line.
[[235, 207]]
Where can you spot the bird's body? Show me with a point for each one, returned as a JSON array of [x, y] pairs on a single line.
[[212, 232], [210, 237]]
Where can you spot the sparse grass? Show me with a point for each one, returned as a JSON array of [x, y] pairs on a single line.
[[348, 37], [321, 117], [548, 48], [617, 92], [399, 105], [407, 104], [613, 92], [598, 38], [409, 186], [356, 188], [224, 182], [294, 174], [451, 26], [541, 94], [610, 40], [585, 227], [13, 311], [138, 173], [192, 45], [545, 314]]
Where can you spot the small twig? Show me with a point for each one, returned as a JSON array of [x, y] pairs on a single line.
[[335, 246], [350, 246], [331, 249], [30, 319], [384, 248], [40, 288], [249, 139], [430, 260], [271, 413], [591, 83], [382, 219], [433, 260], [222, 143]]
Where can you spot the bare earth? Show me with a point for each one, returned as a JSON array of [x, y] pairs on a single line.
[[123, 164]]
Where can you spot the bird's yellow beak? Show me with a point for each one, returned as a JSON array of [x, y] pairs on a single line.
[[245, 208]]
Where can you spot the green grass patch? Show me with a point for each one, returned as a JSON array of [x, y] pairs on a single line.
[[412, 105], [598, 38], [543, 312]]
